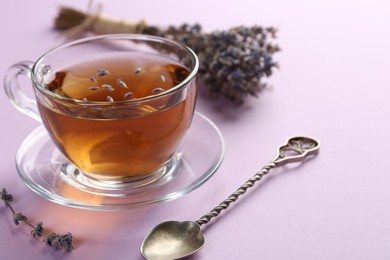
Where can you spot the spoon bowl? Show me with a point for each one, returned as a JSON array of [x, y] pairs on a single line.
[[172, 240]]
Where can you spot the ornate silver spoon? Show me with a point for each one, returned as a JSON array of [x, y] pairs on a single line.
[[174, 239]]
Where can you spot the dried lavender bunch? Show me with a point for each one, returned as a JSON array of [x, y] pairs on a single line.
[[55, 241], [233, 63]]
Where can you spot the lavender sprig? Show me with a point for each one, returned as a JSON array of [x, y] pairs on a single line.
[[55, 241]]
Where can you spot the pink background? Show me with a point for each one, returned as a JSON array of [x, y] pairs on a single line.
[[333, 85]]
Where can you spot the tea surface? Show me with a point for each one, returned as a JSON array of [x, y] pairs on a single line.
[[118, 78]]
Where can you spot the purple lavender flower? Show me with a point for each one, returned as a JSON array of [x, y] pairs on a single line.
[[38, 230], [6, 196], [19, 217]]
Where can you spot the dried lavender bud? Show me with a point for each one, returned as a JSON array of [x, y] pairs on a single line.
[[102, 72], [122, 83], [65, 242], [137, 70], [38, 230], [108, 87], [49, 240], [157, 90], [6, 196], [128, 94], [59, 242], [19, 217]]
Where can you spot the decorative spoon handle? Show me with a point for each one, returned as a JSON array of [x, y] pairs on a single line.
[[297, 149]]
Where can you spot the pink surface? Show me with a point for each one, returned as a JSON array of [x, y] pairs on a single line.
[[333, 85]]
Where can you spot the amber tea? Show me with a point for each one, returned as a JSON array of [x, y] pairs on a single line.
[[117, 139]]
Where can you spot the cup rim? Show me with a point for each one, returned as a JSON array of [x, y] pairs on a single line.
[[143, 37]]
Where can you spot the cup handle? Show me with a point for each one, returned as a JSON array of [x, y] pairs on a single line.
[[18, 98]]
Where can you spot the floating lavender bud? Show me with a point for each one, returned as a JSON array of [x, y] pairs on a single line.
[[128, 94], [108, 87], [162, 77], [102, 72], [110, 99], [94, 88], [92, 79], [138, 70], [85, 99], [157, 90], [122, 83]]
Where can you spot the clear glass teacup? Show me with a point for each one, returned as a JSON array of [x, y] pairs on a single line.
[[116, 106]]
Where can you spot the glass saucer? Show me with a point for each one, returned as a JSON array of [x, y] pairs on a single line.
[[41, 167]]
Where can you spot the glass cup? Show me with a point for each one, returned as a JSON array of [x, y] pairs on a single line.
[[115, 135]]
